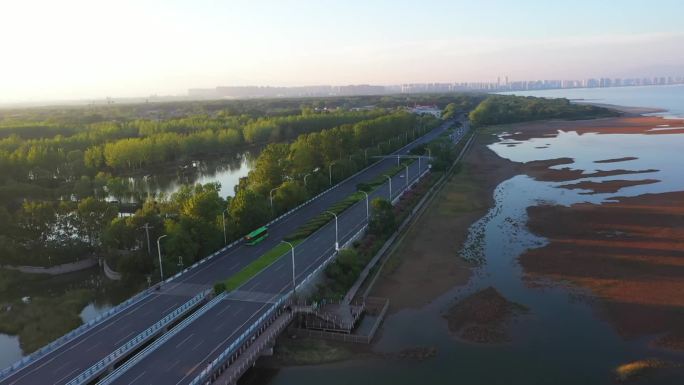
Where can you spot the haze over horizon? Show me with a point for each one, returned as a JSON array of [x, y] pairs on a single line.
[[78, 49]]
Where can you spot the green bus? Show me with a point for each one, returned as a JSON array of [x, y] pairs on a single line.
[[256, 236]]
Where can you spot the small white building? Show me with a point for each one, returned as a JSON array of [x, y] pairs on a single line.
[[423, 110]]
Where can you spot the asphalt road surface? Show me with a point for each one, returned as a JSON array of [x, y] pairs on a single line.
[[66, 362], [180, 359]]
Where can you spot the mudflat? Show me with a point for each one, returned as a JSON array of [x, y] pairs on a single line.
[[628, 252], [426, 263]]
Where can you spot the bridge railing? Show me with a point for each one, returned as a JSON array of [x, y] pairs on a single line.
[[168, 335], [145, 293], [52, 346], [102, 365], [206, 373]]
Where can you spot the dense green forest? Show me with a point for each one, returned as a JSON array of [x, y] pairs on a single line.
[[57, 166], [500, 109]]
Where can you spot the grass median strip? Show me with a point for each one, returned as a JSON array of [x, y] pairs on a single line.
[[321, 219], [299, 235], [257, 265]]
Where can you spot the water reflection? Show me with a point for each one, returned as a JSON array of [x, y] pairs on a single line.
[[670, 98], [10, 351], [226, 170], [562, 340], [93, 310]]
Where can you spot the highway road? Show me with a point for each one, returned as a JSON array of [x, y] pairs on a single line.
[[180, 359], [66, 362]]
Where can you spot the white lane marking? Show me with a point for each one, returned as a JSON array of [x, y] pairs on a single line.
[[93, 347], [62, 366], [222, 311], [184, 340], [202, 341], [174, 306], [71, 373], [206, 358], [137, 378], [126, 337], [82, 339]]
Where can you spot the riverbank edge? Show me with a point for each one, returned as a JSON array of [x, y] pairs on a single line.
[[505, 169], [311, 352]]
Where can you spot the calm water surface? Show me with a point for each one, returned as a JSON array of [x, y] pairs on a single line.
[[226, 170], [562, 340], [670, 98]]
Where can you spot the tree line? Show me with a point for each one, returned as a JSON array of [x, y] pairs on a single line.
[[193, 218], [53, 187], [501, 109]]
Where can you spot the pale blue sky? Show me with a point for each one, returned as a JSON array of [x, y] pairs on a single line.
[[94, 48]]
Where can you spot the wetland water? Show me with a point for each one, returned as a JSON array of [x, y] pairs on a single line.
[[563, 338], [670, 98], [226, 170]]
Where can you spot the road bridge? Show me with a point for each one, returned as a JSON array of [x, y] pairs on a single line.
[[110, 340]]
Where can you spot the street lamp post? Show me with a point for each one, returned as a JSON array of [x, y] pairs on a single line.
[[161, 269], [390, 186], [337, 243], [223, 216], [294, 285], [270, 195], [330, 171], [407, 167], [309, 174], [147, 228], [367, 205]]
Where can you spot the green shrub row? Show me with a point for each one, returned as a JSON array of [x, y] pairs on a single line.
[[253, 268], [321, 219], [380, 179]]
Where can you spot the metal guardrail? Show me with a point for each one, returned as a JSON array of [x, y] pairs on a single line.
[[143, 294], [52, 346], [253, 351], [168, 335], [230, 350], [273, 308], [225, 355], [135, 342], [239, 341], [291, 211]]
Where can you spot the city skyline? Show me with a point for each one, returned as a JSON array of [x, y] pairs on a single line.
[[502, 84], [92, 49]]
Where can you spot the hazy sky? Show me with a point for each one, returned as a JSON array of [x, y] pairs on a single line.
[[70, 49]]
